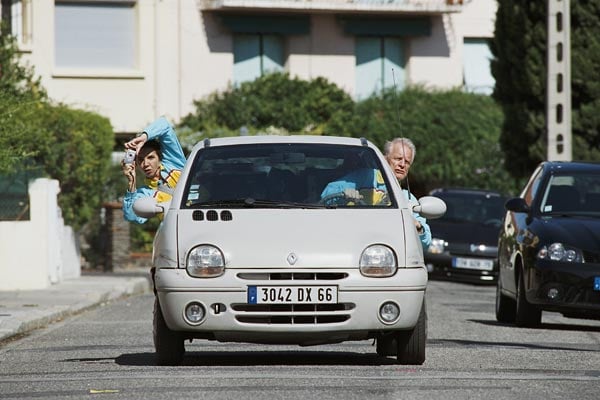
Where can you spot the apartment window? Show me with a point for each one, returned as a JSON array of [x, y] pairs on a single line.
[[476, 61], [256, 55], [91, 34], [379, 65], [15, 17]]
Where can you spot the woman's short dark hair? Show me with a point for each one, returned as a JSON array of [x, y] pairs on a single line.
[[153, 145]]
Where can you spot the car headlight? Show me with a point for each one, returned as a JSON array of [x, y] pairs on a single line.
[[205, 261], [560, 252], [437, 246], [378, 261]]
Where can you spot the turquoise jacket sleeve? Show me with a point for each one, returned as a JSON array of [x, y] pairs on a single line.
[[130, 198], [426, 235]]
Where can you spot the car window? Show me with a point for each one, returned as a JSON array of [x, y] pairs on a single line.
[[286, 175], [572, 194], [532, 187], [485, 208]]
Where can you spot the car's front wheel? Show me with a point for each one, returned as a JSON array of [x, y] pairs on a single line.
[[411, 344], [527, 315], [168, 344], [505, 306]]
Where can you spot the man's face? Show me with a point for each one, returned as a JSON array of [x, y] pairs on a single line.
[[400, 159], [149, 163]]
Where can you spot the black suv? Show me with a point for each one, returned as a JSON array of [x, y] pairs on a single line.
[[465, 240]]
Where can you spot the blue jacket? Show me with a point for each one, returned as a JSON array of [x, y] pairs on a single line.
[[172, 163], [426, 235]]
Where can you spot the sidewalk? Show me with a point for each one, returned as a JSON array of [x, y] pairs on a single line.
[[24, 311]]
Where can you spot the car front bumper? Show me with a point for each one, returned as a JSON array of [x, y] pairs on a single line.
[[566, 288], [229, 317]]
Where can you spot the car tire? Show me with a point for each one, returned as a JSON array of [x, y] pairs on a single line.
[[168, 345], [506, 308], [527, 315], [411, 344]]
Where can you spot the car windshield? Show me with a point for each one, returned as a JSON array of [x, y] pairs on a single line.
[[571, 195], [470, 207], [287, 175]]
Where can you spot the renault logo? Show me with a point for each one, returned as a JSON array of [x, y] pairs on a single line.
[[292, 258]]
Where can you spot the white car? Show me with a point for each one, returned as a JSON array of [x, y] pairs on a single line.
[[289, 240]]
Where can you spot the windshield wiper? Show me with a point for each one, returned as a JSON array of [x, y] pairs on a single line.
[[250, 202]]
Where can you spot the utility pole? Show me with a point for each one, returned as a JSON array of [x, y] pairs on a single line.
[[558, 95]]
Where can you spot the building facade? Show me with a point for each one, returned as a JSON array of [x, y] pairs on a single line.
[[133, 60]]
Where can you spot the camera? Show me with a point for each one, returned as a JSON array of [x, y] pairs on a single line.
[[129, 156]]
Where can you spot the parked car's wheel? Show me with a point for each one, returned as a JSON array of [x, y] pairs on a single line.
[[387, 345], [168, 344], [411, 344], [526, 314], [506, 307]]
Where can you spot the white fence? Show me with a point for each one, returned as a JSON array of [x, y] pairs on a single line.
[[35, 254]]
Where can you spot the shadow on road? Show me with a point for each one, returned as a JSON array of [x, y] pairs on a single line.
[[260, 358], [554, 327]]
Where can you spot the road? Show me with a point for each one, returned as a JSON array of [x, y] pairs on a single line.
[[108, 353]]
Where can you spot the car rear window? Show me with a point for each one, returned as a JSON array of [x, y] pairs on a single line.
[[286, 175]]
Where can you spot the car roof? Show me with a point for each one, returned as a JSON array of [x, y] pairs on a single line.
[[262, 139], [465, 191], [570, 166]]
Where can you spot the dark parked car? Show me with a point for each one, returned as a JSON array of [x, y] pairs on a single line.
[[465, 240], [549, 247]]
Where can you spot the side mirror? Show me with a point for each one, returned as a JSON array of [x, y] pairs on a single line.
[[147, 207], [430, 207], [517, 204]]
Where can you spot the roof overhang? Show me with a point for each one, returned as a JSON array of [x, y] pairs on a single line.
[[422, 7]]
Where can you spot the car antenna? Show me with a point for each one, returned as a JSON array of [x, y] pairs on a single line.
[[400, 130]]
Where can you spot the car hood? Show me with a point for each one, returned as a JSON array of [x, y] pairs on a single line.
[[583, 233], [323, 238], [464, 232]]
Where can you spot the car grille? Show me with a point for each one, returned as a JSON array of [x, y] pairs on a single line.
[[293, 314], [294, 276]]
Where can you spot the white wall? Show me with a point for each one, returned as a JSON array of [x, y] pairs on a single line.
[[37, 253]]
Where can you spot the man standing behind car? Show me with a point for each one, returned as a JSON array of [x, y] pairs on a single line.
[[400, 154], [160, 157]]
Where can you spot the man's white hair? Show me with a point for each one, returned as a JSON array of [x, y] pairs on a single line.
[[387, 148]]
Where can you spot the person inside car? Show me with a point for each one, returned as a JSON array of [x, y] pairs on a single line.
[[160, 158], [400, 154]]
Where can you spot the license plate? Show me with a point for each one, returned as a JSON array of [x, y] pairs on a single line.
[[292, 294], [473, 263], [597, 283]]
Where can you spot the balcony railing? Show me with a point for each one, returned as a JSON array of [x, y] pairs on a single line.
[[404, 6]]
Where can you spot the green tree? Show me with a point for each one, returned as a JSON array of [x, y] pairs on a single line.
[[519, 67], [273, 100], [456, 135], [21, 95]]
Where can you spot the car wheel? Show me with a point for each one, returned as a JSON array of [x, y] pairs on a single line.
[[411, 344], [168, 344], [527, 314], [506, 307]]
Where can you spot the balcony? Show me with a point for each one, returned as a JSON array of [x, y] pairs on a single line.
[[336, 6]]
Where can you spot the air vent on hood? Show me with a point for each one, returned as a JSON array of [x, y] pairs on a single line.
[[212, 215]]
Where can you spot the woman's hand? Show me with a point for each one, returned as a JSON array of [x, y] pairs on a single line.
[[137, 142], [129, 172]]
